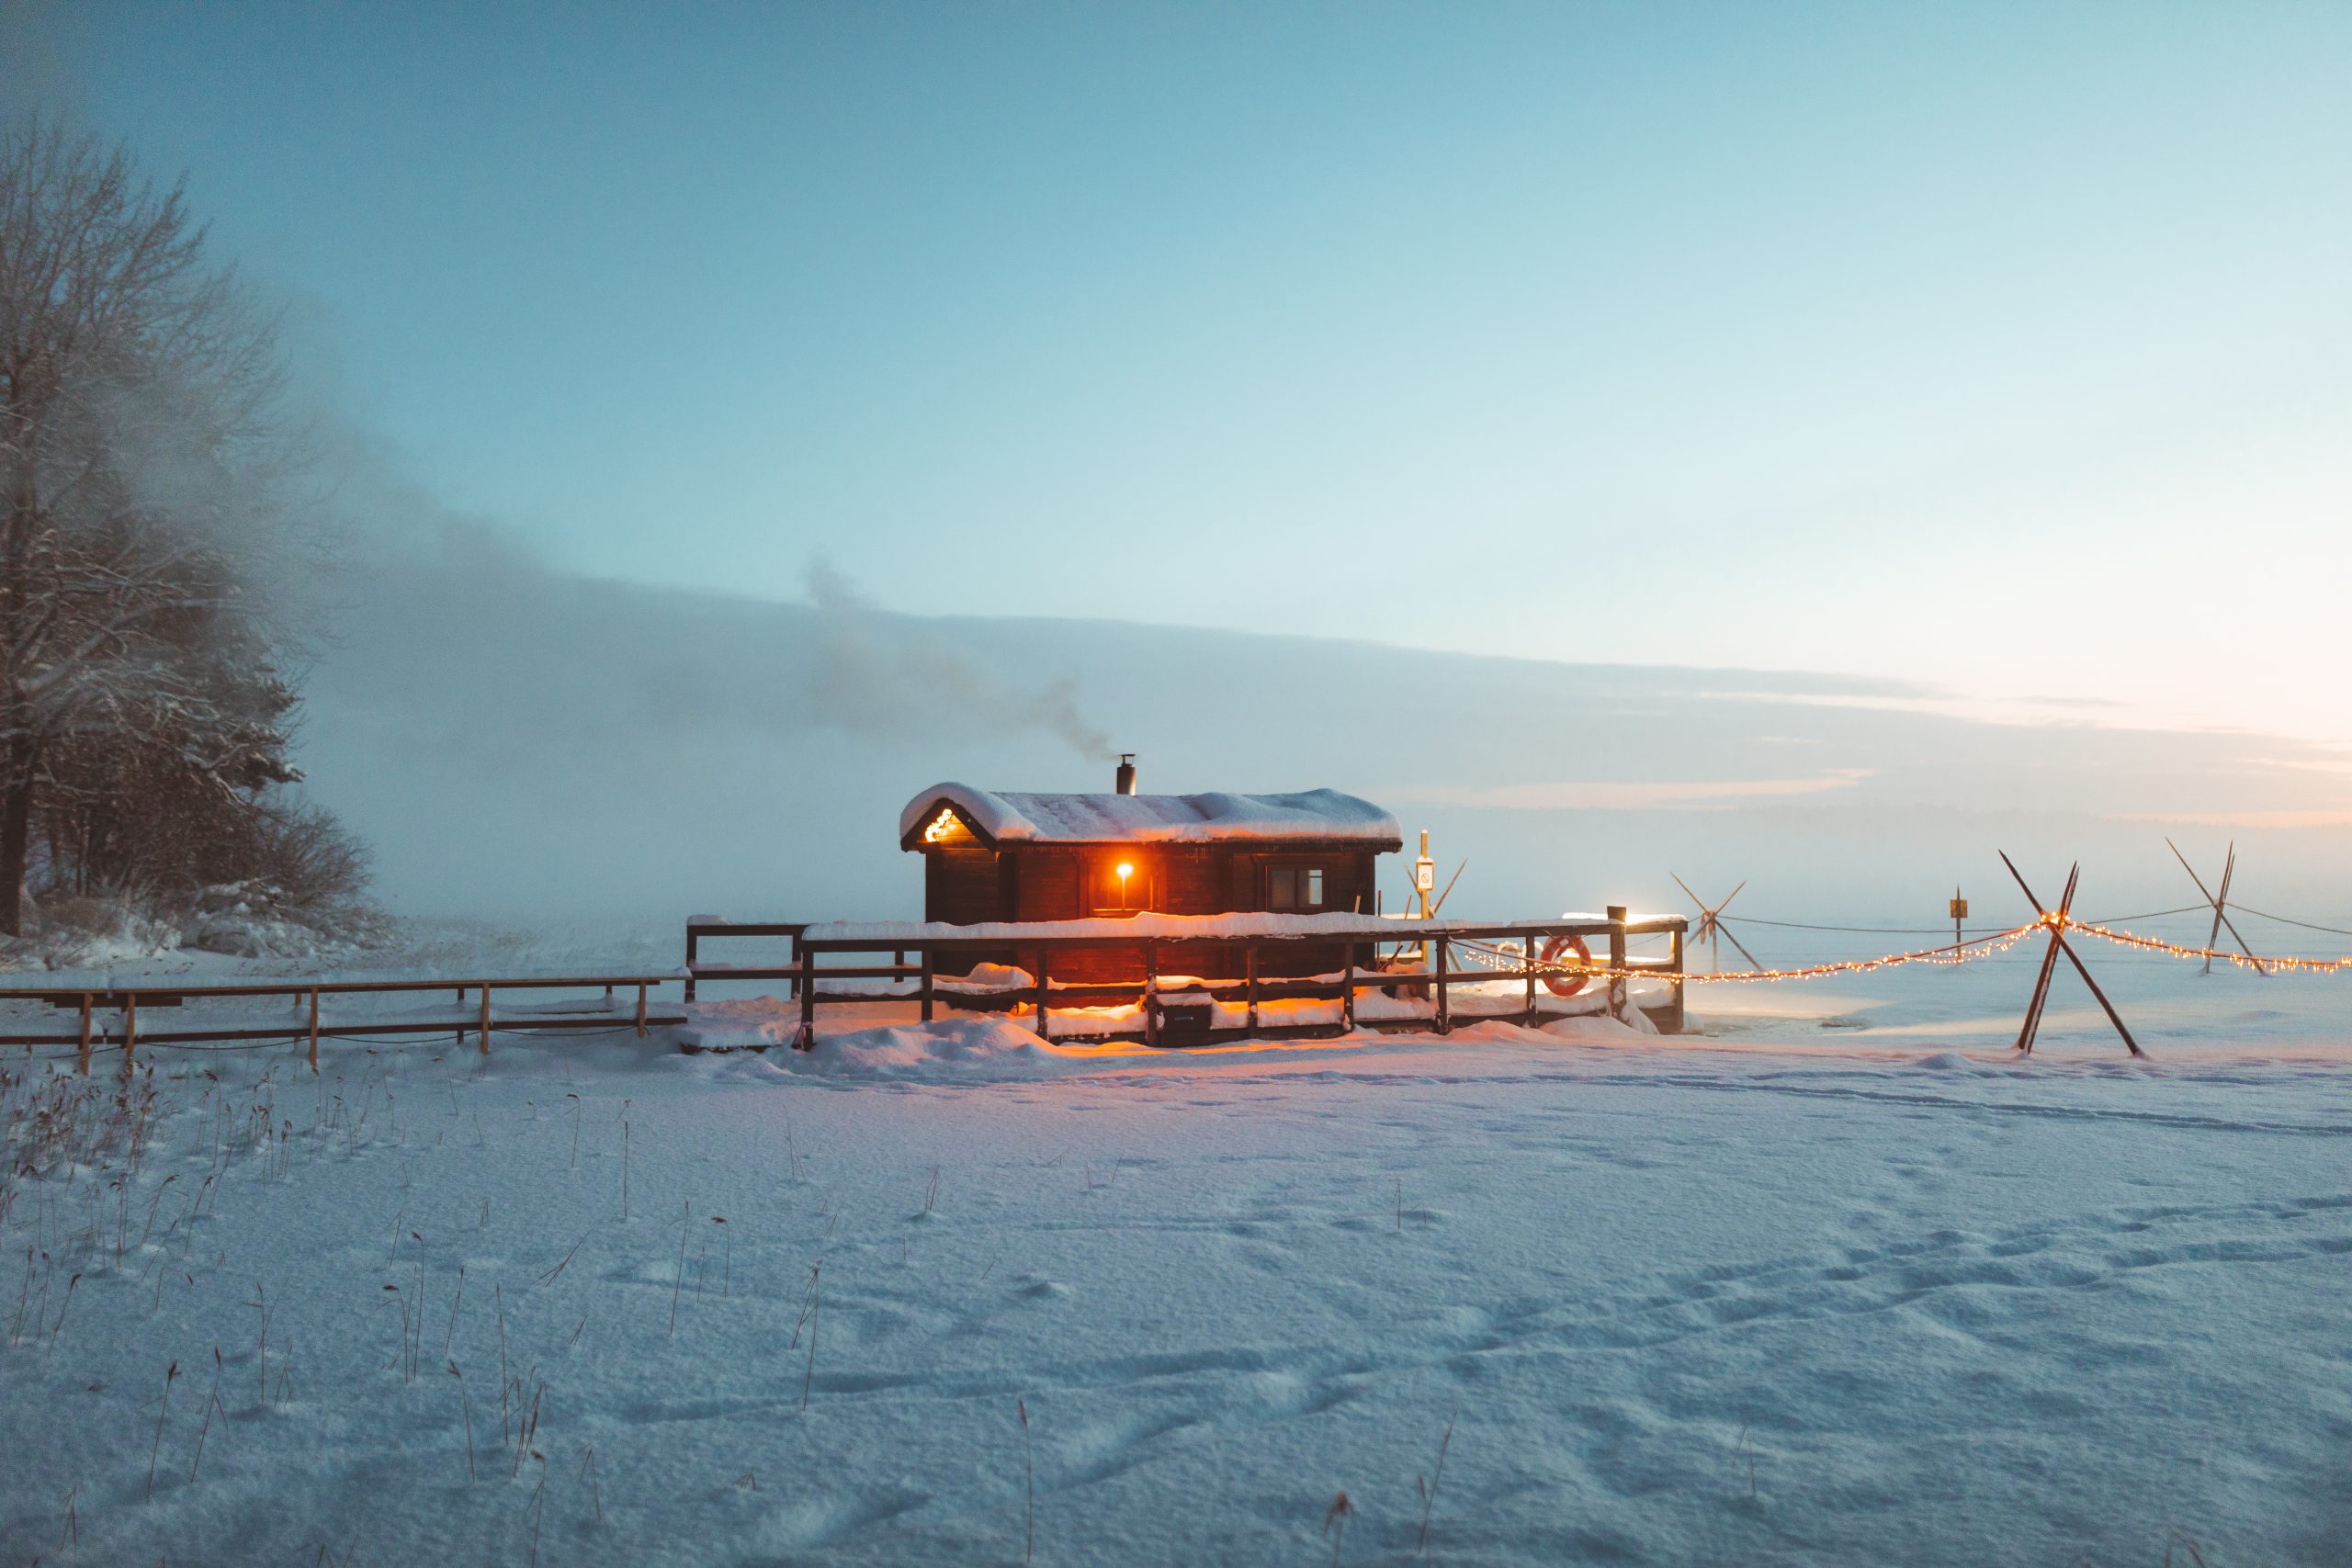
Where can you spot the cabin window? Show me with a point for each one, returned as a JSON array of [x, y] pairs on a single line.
[[1120, 894], [1294, 887]]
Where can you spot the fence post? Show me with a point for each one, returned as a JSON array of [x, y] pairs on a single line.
[[1677, 983], [1444, 996], [1150, 995], [640, 1008], [1617, 986], [692, 940], [923, 986], [83, 1065], [1043, 1032], [1347, 989], [804, 986], [1527, 958], [314, 1029], [130, 1028], [1250, 971], [485, 1018]]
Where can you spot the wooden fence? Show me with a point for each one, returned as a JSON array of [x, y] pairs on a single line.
[[1167, 1006], [94, 1003], [1173, 1008]]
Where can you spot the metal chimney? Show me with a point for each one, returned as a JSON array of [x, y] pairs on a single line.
[[1127, 775]]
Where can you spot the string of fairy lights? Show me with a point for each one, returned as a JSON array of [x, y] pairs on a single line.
[[1516, 964], [2181, 949]]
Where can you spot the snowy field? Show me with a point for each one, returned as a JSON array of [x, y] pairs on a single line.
[[1837, 1281]]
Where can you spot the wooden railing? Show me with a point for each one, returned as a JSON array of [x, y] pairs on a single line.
[[937, 948], [94, 1002]]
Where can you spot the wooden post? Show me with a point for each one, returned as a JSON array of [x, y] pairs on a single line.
[[693, 938], [485, 1020], [1250, 973], [130, 1028], [83, 1064], [1617, 986], [1347, 989], [925, 986], [461, 1033], [1444, 995], [1043, 1023], [1527, 961], [314, 1029], [640, 1010], [1150, 995], [1679, 1017], [804, 986]]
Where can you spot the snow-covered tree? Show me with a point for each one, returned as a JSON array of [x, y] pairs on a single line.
[[149, 492]]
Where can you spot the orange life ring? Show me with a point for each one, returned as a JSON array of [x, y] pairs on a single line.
[[1553, 950]]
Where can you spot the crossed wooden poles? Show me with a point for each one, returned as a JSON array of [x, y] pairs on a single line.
[[1710, 926], [2220, 905], [2055, 921]]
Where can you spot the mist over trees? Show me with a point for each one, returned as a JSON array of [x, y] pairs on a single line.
[[158, 500]]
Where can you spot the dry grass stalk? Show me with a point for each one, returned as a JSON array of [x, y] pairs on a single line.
[[170, 1374], [466, 1411], [1029, 1475], [260, 1303], [1428, 1488], [1335, 1523], [555, 1273], [212, 1404], [685, 1222], [450, 1337], [808, 1307], [588, 1470]]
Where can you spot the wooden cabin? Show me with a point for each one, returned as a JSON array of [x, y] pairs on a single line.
[[991, 856]]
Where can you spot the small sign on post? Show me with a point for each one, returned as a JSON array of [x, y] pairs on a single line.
[[1958, 913]]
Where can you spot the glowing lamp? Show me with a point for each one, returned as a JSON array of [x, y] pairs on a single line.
[[1126, 871]]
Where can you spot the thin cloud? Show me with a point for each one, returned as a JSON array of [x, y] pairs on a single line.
[[1594, 796]]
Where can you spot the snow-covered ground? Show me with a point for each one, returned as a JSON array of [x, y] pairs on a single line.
[[1837, 1282]]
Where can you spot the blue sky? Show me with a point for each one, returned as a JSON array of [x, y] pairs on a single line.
[[2004, 347]]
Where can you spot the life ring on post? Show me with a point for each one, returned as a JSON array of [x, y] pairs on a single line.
[[1554, 952]]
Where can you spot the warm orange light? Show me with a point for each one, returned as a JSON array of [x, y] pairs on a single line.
[[1126, 871], [943, 826]]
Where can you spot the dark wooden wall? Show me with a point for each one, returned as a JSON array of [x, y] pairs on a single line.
[[968, 884]]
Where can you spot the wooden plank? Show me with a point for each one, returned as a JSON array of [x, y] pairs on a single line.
[[1043, 1023]]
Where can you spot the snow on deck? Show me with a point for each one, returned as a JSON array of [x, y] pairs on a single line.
[[1011, 817], [1172, 928]]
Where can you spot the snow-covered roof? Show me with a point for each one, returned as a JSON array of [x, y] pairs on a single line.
[[1322, 816]]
